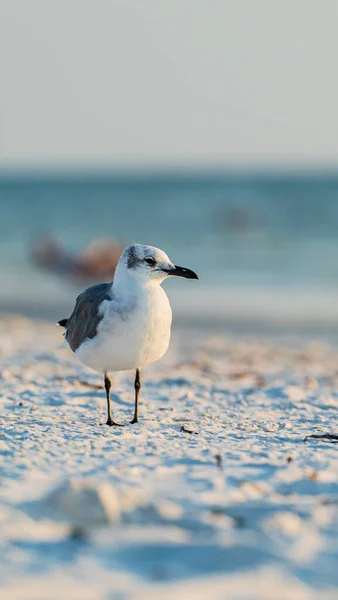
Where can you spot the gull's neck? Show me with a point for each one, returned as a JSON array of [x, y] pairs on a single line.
[[125, 286]]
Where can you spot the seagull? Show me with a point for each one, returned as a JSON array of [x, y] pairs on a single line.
[[125, 324]]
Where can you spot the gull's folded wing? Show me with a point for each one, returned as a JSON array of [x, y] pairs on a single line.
[[85, 318]]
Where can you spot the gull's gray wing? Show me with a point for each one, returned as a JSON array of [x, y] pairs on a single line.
[[85, 318]]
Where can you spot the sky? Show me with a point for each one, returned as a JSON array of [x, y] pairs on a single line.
[[142, 83]]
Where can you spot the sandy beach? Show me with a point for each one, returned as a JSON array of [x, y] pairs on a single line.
[[189, 144], [214, 493]]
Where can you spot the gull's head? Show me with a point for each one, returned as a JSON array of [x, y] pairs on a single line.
[[147, 263]]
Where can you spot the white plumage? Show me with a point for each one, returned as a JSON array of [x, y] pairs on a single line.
[[126, 324], [130, 339]]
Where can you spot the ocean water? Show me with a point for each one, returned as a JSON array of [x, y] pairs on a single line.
[[245, 235]]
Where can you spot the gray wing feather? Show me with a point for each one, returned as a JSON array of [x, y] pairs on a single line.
[[85, 318]]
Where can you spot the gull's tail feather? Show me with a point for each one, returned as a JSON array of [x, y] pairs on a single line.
[[63, 323]]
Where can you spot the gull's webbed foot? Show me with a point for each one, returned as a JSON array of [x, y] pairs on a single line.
[[113, 423]]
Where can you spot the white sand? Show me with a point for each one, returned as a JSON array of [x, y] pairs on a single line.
[[242, 508]]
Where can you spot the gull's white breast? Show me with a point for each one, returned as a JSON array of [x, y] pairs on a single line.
[[130, 337]]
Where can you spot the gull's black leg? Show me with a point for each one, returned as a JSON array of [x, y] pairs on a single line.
[[107, 385], [137, 386]]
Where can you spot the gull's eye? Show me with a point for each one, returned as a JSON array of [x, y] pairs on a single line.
[[150, 261]]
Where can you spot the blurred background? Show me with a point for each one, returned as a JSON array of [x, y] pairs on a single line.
[[208, 128]]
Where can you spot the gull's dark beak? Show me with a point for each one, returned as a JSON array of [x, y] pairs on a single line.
[[182, 272]]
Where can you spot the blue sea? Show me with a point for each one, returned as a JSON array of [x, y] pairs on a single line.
[[259, 236]]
